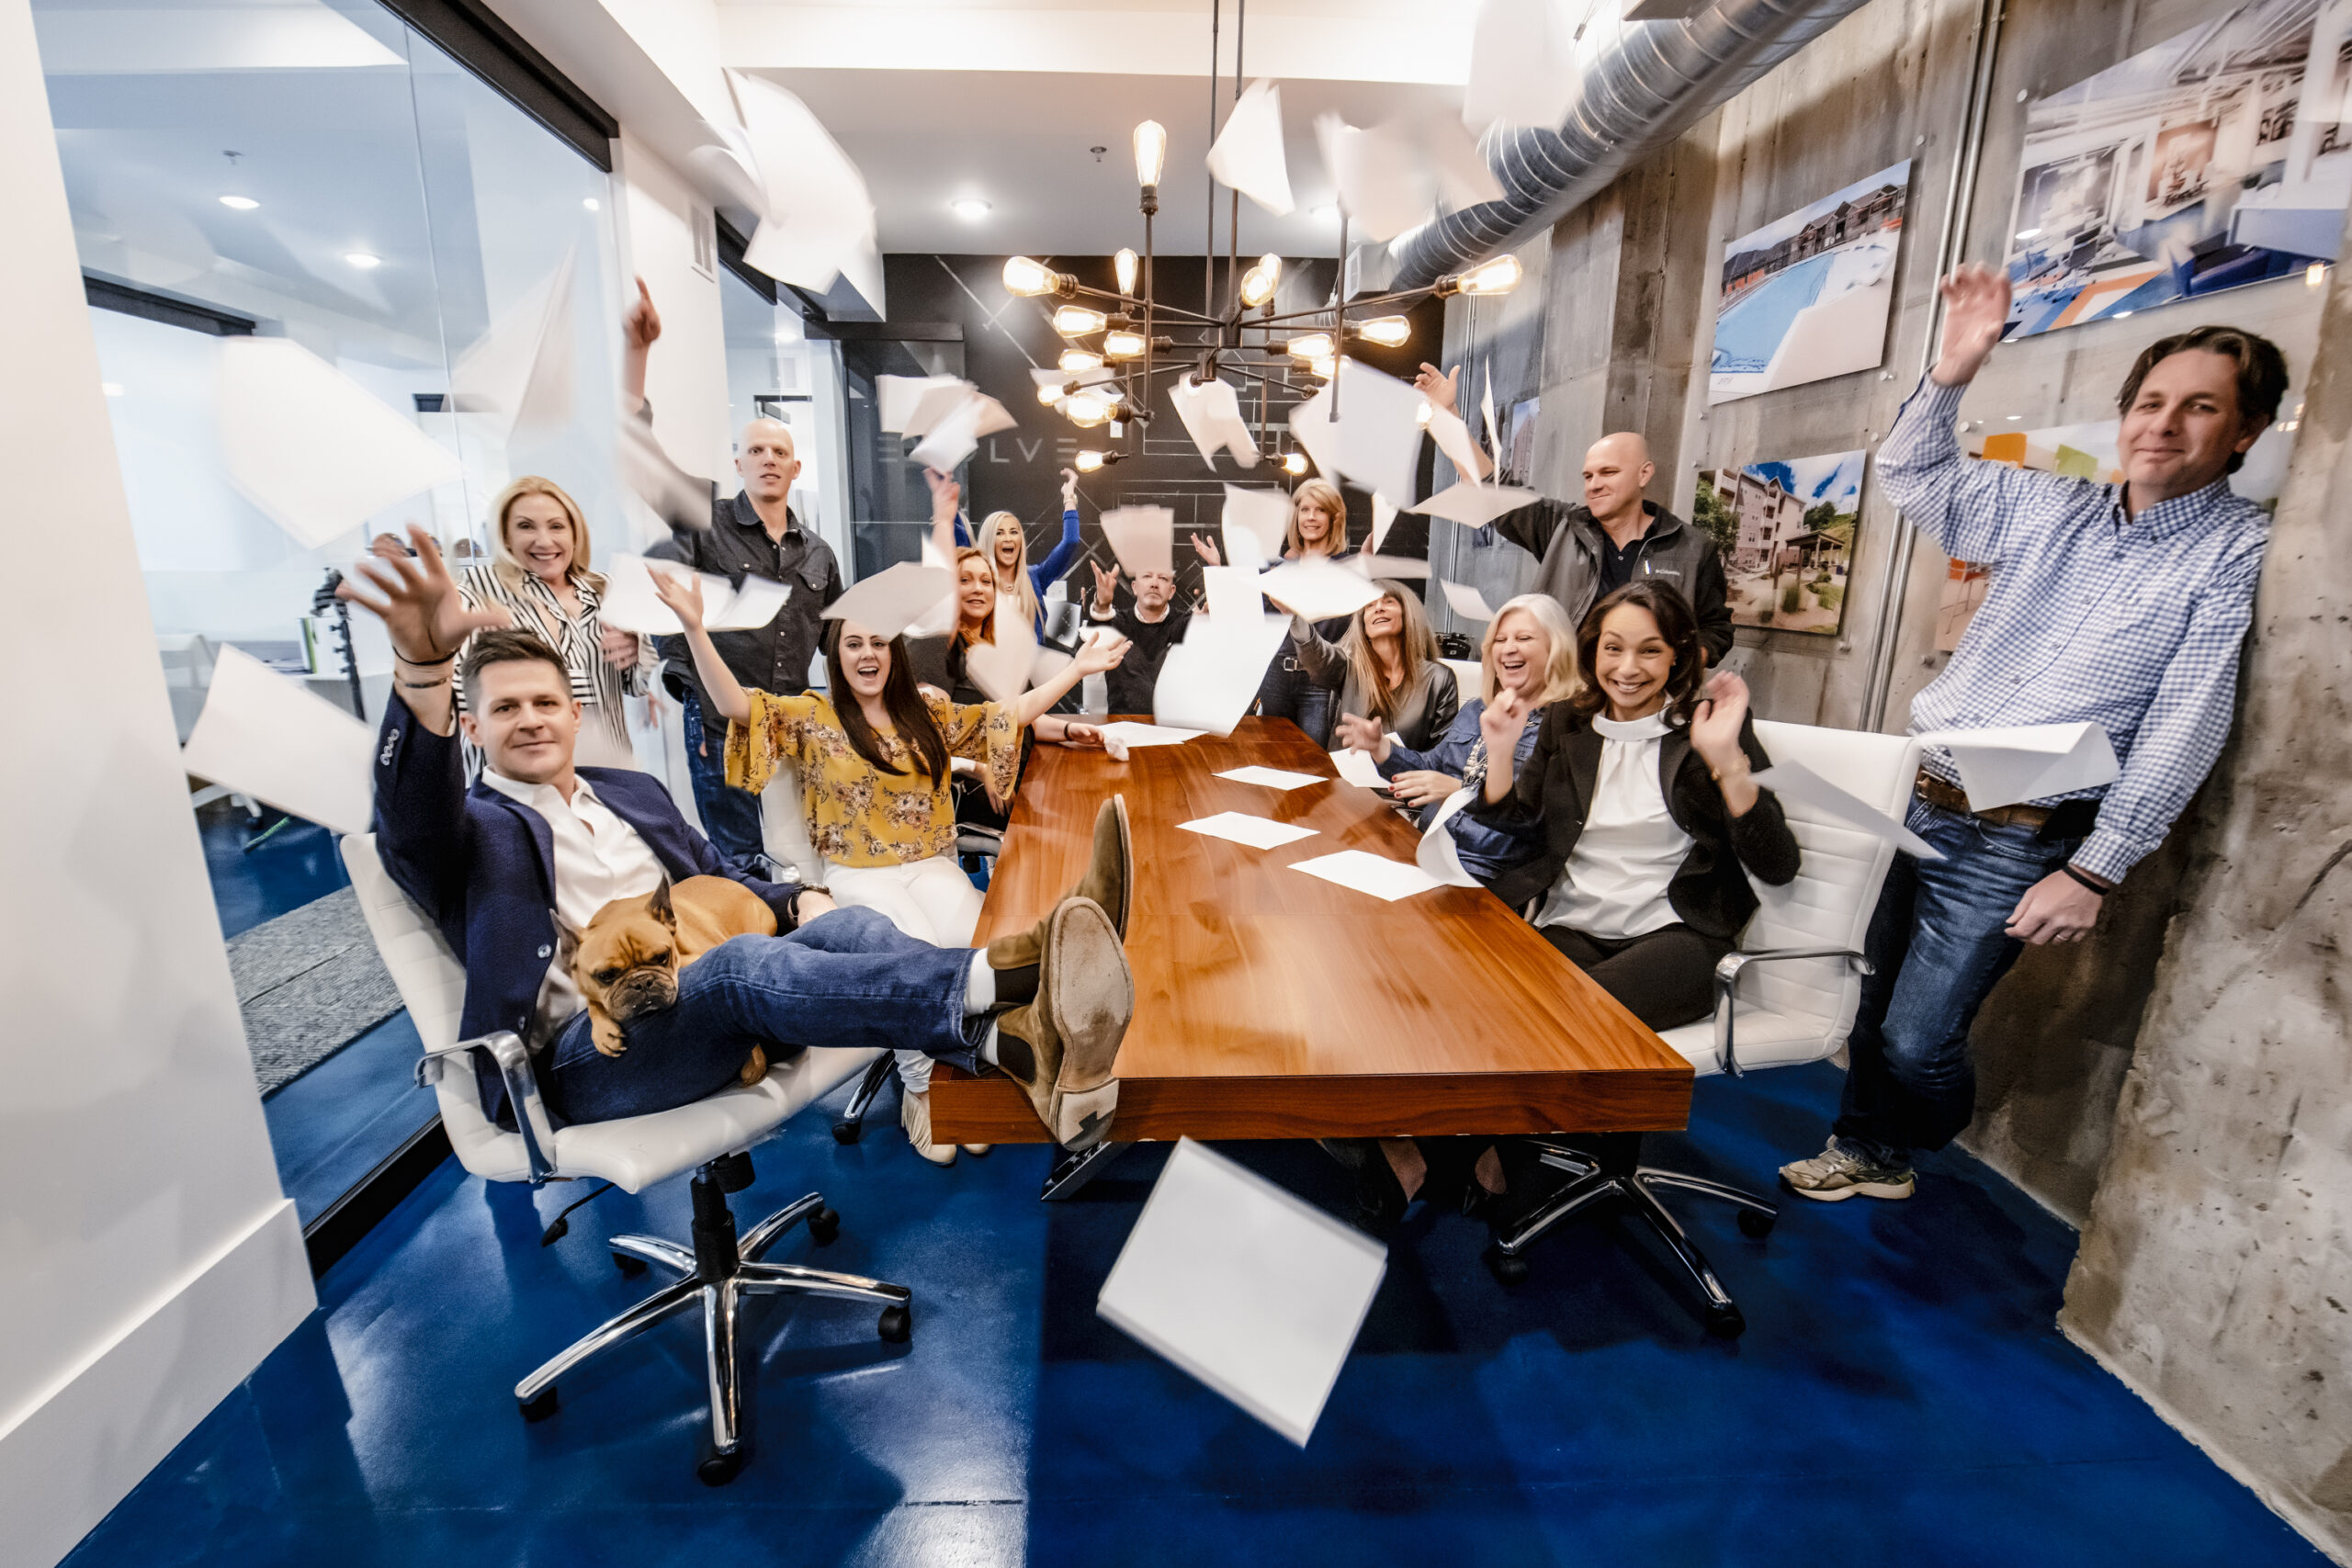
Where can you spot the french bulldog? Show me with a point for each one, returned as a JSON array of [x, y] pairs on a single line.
[[628, 960]]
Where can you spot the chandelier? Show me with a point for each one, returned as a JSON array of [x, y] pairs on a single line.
[[1121, 340]]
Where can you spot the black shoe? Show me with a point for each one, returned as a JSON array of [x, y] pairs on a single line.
[[1380, 1197]]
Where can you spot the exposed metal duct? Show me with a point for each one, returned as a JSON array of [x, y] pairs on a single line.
[[1644, 88]]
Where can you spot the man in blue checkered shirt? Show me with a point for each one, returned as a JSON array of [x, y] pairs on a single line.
[[2120, 604]]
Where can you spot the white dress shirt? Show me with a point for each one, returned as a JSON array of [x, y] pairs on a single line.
[[598, 858], [1614, 884]]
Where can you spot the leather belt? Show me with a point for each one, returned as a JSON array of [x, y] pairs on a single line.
[[1952, 797]]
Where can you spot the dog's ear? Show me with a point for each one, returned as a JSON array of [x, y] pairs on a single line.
[[659, 905], [567, 941]]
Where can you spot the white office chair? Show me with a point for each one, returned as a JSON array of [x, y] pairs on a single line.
[[1468, 675], [632, 1152], [1787, 997]]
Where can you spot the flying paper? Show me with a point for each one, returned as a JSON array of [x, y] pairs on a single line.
[[1385, 182], [1318, 588], [1371, 566], [1254, 1291], [1795, 782], [630, 603], [1258, 833], [1473, 505], [1486, 409], [1208, 681], [897, 397], [1463, 177], [518, 375], [1248, 153], [262, 735], [1437, 854], [889, 602], [1452, 438], [1466, 602], [1383, 517], [313, 447], [1376, 439], [1265, 513], [935, 398], [1386, 880], [2030, 761], [1128, 732], [675, 496], [1518, 72], [1358, 768], [1003, 669], [1211, 411], [1310, 423], [727, 156], [1272, 778], [955, 436], [818, 223], [1233, 592], [1143, 537]]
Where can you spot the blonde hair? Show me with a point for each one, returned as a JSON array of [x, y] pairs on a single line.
[[983, 629], [985, 538], [1325, 494], [1416, 649], [1561, 678], [512, 572]]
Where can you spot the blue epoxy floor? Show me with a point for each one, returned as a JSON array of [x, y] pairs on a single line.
[[1900, 1396], [293, 866]]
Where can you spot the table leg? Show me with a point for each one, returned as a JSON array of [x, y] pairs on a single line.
[[1073, 1171]]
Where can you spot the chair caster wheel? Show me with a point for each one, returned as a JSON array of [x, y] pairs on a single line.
[[847, 1131], [1726, 1322], [1756, 1225], [898, 1325], [538, 1409], [715, 1469], [630, 1267], [1506, 1268], [824, 1226]]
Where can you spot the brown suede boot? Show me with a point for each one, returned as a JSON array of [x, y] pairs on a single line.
[[1062, 1048], [1109, 880]]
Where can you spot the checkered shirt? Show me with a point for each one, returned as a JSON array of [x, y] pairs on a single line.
[[2132, 622]]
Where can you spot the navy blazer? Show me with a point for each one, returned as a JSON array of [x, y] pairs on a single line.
[[482, 866]]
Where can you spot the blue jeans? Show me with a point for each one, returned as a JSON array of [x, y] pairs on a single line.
[[730, 817], [1936, 948], [848, 979]]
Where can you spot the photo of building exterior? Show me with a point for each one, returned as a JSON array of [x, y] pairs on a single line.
[[1786, 531], [1806, 296]]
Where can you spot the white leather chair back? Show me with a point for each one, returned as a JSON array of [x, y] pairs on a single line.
[[1467, 673]]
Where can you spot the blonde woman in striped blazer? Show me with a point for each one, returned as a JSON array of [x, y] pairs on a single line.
[[538, 574]]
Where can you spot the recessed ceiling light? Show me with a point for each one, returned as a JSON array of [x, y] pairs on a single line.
[[241, 203], [362, 260], [971, 208], [590, 202]]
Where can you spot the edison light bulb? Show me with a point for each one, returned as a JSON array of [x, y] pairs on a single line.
[[1077, 320], [1125, 263], [1390, 331], [1028, 278], [1151, 152]]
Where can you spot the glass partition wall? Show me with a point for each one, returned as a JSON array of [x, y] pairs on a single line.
[[313, 170]]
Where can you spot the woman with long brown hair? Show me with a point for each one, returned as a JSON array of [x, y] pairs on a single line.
[[1385, 668]]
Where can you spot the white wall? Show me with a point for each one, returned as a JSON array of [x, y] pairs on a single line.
[[687, 378], [151, 1259]]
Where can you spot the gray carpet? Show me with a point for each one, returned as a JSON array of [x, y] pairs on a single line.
[[309, 983]]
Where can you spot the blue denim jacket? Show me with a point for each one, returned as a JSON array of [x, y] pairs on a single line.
[[1486, 851]]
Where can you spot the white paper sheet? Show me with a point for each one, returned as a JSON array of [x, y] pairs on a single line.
[[1005, 668], [2028, 761], [1437, 854], [1383, 517], [1466, 600], [313, 447], [1272, 778], [1386, 880], [897, 397], [1318, 588], [1452, 438], [1143, 537], [1518, 72], [1258, 833], [819, 224], [630, 603], [1252, 1291], [1462, 175], [1378, 429], [1248, 153], [679, 499], [752, 605], [1358, 768], [1474, 506], [1402, 568], [1265, 513], [1311, 425], [1130, 733], [1486, 409], [518, 375], [1208, 681], [955, 436], [1232, 593], [1797, 785], [266, 736], [939, 397], [1211, 413], [1384, 178], [889, 602]]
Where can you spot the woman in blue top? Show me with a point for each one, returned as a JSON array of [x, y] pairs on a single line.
[[1530, 650], [1020, 587]]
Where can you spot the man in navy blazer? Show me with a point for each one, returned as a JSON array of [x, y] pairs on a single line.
[[539, 843]]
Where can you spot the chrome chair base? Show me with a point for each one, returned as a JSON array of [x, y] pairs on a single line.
[[1615, 1173], [719, 1271], [849, 1125]]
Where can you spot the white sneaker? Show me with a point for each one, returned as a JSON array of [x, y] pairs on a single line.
[[1833, 1176], [914, 1115]]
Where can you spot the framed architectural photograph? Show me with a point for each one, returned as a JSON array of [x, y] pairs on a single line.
[[1806, 296], [1786, 530]]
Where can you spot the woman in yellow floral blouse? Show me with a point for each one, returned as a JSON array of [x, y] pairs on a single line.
[[875, 775]]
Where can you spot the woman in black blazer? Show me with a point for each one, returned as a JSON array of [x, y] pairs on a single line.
[[1651, 821]]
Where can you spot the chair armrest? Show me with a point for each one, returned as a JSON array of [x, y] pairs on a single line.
[[514, 1063], [1727, 973]]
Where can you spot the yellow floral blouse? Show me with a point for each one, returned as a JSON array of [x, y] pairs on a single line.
[[858, 815]]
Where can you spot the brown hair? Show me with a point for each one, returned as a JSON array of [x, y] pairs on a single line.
[[1416, 650], [499, 646], [1325, 494], [503, 561], [909, 714], [1676, 624], [2261, 373]]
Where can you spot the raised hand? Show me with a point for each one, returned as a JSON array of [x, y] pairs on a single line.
[[1976, 312], [1356, 733], [1105, 585], [1716, 726], [947, 495], [680, 592], [1100, 653], [1501, 722], [1441, 387], [1423, 787], [1205, 547], [1069, 489], [420, 606], [642, 324]]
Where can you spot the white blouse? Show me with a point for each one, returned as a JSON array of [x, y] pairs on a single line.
[[1614, 884]]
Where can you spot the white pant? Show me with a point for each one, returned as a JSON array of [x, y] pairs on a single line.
[[931, 900]]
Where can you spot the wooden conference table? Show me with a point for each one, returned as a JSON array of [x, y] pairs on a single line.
[[1273, 1004]]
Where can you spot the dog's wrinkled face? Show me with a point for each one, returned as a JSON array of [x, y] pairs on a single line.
[[627, 960]]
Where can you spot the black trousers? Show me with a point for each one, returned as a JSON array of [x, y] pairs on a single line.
[[1663, 978]]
